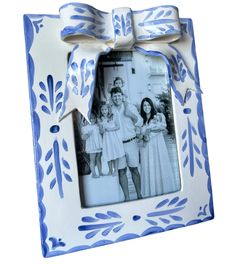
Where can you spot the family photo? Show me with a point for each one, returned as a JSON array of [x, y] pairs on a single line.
[[128, 150]]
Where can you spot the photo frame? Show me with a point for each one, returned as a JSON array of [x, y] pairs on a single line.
[[62, 69]]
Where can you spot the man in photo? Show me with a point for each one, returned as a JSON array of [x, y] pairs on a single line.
[[129, 119]]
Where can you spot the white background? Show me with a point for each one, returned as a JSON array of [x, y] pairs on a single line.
[[204, 244]]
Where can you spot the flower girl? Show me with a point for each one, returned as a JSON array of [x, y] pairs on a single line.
[[93, 146], [112, 146]]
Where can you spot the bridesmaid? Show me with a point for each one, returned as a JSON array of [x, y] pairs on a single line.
[[156, 171]]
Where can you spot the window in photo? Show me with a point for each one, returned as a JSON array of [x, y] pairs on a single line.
[[129, 151]]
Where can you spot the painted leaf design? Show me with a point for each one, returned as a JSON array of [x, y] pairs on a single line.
[[85, 90], [188, 95], [43, 98], [161, 28], [80, 25], [194, 130], [42, 86], [107, 231], [182, 202], [102, 216], [173, 201], [58, 85], [91, 27], [74, 80], [65, 163], [101, 30], [148, 15], [89, 219], [162, 203], [64, 145], [79, 10], [113, 214], [58, 106], [45, 109], [176, 218], [164, 220], [52, 183], [48, 155], [87, 74], [184, 146], [198, 163], [168, 13], [67, 177], [74, 66], [151, 222], [159, 14], [117, 18], [91, 234], [118, 228], [184, 134], [185, 161], [50, 167], [196, 148], [59, 96]]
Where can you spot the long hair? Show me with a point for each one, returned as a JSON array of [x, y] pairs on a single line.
[[143, 114], [110, 114]]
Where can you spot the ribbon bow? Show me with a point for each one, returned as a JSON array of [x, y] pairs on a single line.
[[94, 32]]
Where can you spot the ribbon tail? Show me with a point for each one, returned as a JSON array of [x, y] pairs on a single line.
[[81, 79]]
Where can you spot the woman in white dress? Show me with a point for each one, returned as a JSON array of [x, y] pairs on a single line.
[[157, 176], [112, 146]]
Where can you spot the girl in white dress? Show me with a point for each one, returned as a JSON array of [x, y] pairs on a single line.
[[157, 176], [93, 146], [112, 146]]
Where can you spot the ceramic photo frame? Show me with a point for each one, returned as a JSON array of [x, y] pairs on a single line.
[[64, 53]]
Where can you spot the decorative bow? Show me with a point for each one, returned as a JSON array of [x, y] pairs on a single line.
[[94, 33]]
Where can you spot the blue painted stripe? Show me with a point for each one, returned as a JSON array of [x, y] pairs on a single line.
[[97, 226], [190, 145], [157, 22]]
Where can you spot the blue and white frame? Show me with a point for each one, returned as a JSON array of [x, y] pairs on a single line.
[[65, 226]]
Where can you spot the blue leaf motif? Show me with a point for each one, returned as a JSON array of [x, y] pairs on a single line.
[[176, 218], [182, 202], [58, 85], [184, 134], [117, 32], [64, 145], [43, 98], [89, 219], [113, 214], [151, 222], [162, 203], [48, 155], [166, 221], [188, 95], [91, 27], [80, 25], [87, 74], [79, 10], [173, 201], [52, 183], [107, 231], [196, 148], [194, 130], [101, 30], [91, 234], [50, 167], [117, 18], [42, 86], [65, 163], [161, 28], [129, 30], [74, 66], [148, 15], [118, 228], [85, 90], [185, 161], [170, 27], [58, 107], [45, 109], [159, 14], [67, 177], [168, 13], [59, 96], [102, 216], [117, 26], [198, 163], [184, 146], [74, 80]]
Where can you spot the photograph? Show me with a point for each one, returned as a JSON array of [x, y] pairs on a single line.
[[128, 150]]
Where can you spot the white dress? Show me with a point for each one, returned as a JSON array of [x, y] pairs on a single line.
[[112, 145], [157, 176], [94, 141]]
